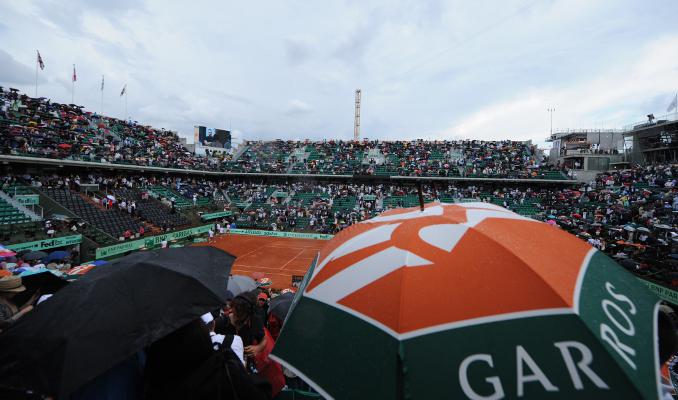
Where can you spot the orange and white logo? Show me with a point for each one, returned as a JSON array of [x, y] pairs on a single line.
[[409, 270]]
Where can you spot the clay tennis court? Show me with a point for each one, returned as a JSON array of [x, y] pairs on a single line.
[[275, 258]]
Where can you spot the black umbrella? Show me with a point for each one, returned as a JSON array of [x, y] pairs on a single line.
[[109, 314], [46, 282], [34, 255], [629, 264], [280, 305], [22, 253]]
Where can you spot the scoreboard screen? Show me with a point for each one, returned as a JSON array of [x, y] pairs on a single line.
[[212, 137]]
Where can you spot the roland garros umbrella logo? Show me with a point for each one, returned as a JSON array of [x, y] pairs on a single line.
[[387, 244]]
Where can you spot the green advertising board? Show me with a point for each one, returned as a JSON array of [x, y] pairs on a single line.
[[294, 235], [27, 199], [662, 292], [124, 247], [369, 197], [47, 243], [216, 215]]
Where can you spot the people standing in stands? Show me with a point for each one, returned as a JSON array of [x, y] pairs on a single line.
[[262, 306], [219, 341], [245, 322]]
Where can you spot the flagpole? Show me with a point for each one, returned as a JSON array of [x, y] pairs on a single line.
[[36, 74], [102, 95], [126, 102], [73, 86]]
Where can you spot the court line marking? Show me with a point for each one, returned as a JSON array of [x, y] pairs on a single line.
[[292, 259], [248, 253], [256, 267], [293, 247]]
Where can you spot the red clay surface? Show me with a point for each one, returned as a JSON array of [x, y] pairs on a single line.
[[275, 258]]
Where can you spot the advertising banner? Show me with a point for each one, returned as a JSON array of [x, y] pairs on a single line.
[[124, 247], [216, 215], [296, 235], [27, 199], [47, 243]]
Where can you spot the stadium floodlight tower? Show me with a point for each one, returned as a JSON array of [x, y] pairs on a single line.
[[356, 122]]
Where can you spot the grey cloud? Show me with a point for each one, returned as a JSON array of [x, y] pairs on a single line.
[[234, 98], [352, 49], [298, 107], [69, 17], [297, 51], [13, 71]]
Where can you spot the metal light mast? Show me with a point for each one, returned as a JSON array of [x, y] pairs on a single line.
[[356, 123]]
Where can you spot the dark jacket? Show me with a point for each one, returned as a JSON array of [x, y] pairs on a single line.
[[183, 365]]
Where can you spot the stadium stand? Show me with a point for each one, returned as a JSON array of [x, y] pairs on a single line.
[[112, 221], [643, 196], [149, 209], [41, 128]]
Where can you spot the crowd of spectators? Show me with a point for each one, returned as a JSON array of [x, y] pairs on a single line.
[[38, 127], [127, 198], [42, 128], [629, 214]]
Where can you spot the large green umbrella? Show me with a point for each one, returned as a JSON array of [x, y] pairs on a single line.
[[469, 301]]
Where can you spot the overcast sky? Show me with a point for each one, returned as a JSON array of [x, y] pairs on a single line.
[[289, 69]]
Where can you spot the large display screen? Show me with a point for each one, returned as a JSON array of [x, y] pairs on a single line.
[[212, 137]]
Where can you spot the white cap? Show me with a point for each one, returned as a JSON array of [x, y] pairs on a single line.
[[207, 318]]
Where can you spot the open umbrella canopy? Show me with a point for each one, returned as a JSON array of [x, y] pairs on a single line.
[[280, 305], [46, 282], [82, 269], [240, 284], [108, 315], [5, 252], [57, 255], [34, 255], [264, 282], [469, 301]]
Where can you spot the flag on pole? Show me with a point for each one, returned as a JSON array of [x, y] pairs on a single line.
[[40, 63], [75, 77], [124, 89], [102, 83], [674, 103]]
